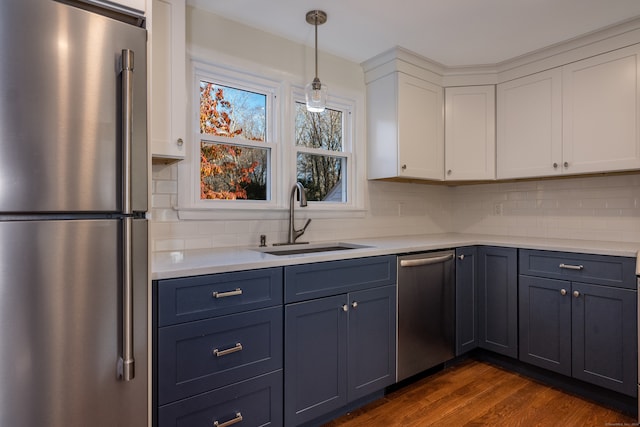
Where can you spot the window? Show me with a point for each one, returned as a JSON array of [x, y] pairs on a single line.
[[322, 153], [248, 148], [235, 143]]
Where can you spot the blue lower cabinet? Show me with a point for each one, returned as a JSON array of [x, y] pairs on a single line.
[[466, 299], [315, 354], [578, 317], [372, 341], [604, 346], [255, 402], [337, 350], [545, 323], [498, 300]]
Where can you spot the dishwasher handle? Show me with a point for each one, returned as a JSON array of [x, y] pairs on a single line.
[[425, 261]]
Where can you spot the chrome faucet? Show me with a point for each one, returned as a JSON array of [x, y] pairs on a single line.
[[293, 233]]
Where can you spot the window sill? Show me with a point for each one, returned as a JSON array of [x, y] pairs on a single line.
[[191, 214]]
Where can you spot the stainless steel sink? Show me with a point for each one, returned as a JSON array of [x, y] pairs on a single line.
[[309, 249]]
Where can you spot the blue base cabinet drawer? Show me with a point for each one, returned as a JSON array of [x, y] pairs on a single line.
[[322, 279], [598, 269], [208, 354], [195, 298], [257, 402]]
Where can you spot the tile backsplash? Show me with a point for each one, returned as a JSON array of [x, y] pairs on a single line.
[[588, 208], [598, 208]]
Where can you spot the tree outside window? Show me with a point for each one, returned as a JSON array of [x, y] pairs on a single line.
[[234, 161], [321, 163]]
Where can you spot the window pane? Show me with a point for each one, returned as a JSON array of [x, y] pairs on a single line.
[[233, 172], [318, 130], [322, 177], [230, 112]]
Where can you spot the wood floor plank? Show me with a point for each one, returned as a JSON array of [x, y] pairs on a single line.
[[475, 394]]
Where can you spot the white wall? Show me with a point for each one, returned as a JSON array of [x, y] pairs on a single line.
[[603, 208]]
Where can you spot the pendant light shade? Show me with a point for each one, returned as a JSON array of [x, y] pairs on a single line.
[[315, 93]]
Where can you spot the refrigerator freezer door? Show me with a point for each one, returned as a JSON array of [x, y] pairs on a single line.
[[60, 325], [60, 109]]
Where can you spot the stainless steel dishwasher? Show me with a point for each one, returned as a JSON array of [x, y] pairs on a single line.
[[426, 311]]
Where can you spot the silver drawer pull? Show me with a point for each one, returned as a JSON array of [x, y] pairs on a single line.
[[571, 267], [238, 291], [231, 422], [220, 353]]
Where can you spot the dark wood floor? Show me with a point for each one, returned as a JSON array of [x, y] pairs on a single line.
[[475, 393]]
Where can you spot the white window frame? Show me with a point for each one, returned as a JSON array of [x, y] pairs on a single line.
[[282, 94], [189, 191], [347, 107]]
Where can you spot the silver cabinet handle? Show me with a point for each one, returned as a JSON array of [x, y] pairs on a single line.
[[354, 304], [449, 172], [576, 294], [404, 167], [180, 142], [345, 307], [425, 261], [231, 422], [563, 292], [571, 267], [566, 164], [234, 349], [126, 364], [461, 257], [217, 294], [555, 166]]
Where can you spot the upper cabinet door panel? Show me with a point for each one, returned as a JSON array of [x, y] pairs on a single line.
[[470, 139], [420, 129], [168, 95], [529, 141], [601, 101]]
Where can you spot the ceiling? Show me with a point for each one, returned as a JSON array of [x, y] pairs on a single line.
[[451, 32]]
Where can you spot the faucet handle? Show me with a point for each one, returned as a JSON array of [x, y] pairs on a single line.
[[306, 224]]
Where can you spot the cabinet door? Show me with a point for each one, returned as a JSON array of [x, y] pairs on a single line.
[[315, 354], [605, 336], [545, 323], [420, 129], [466, 297], [372, 341], [167, 98], [529, 140], [470, 136], [498, 300], [601, 113]]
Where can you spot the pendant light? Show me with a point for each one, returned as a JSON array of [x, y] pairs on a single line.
[[315, 92]]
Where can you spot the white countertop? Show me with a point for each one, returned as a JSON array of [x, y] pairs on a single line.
[[171, 264]]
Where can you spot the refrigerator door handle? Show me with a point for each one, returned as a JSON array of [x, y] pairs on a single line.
[[127, 360], [127, 128]]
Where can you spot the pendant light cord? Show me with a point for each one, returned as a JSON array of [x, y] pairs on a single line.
[[316, 27]]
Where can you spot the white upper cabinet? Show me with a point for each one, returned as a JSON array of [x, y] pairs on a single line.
[[529, 140], [600, 112], [470, 133], [583, 117], [405, 128], [167, 97]]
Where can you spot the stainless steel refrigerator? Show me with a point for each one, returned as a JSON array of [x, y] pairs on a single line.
[[73, 233]]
